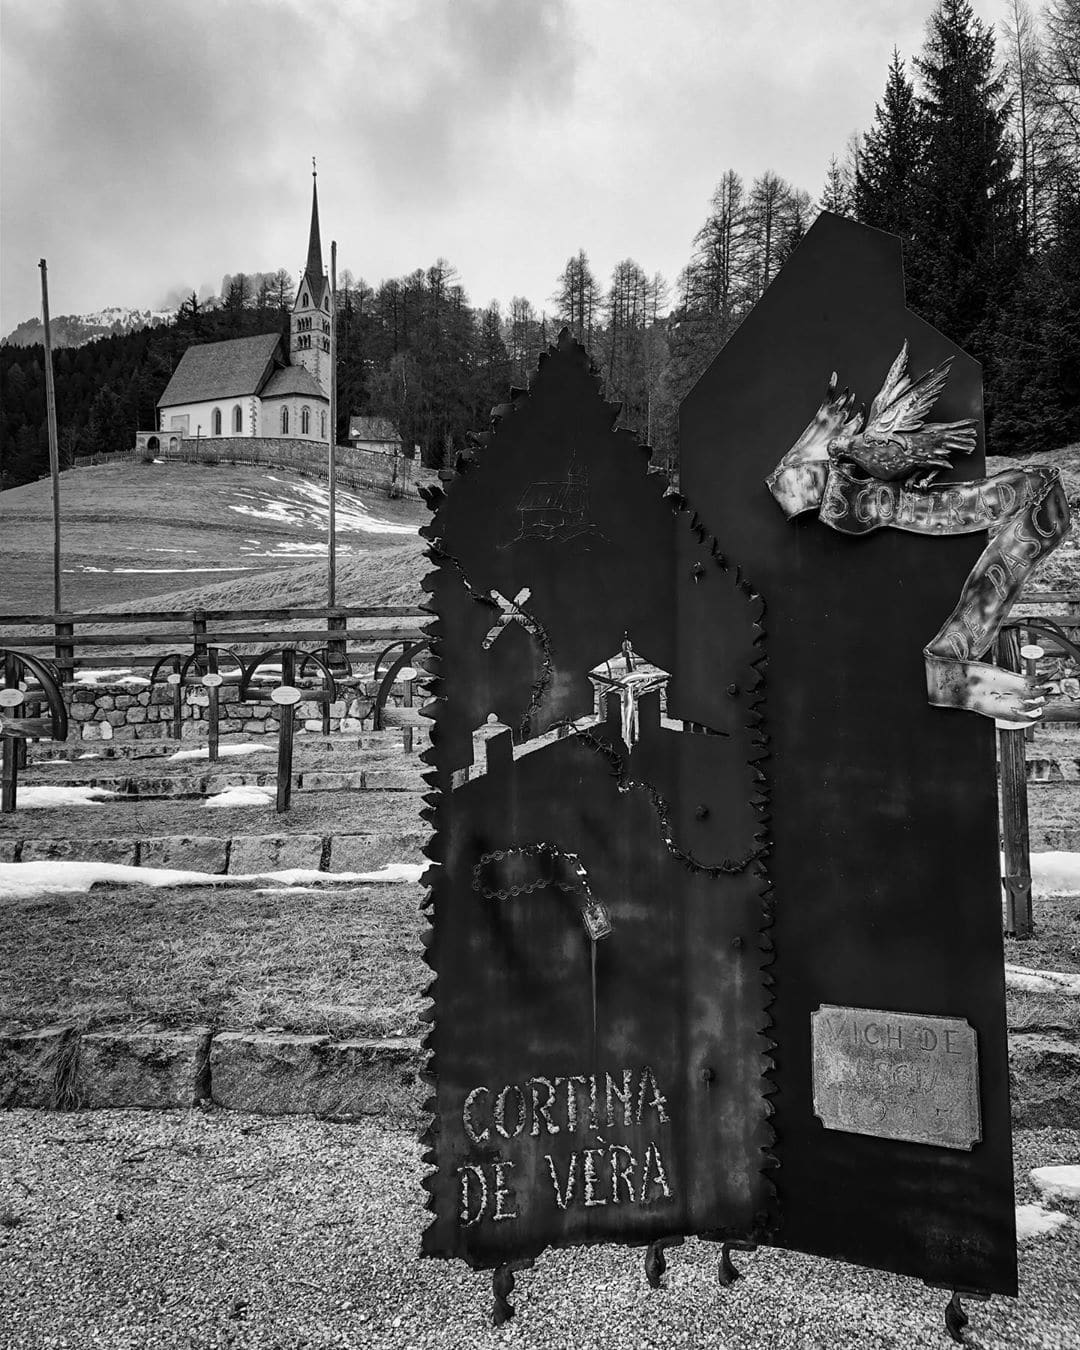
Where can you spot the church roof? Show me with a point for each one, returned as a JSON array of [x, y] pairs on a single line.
[[229, 369], [293, 380]]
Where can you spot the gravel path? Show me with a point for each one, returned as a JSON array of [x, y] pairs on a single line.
[[131, 1229]]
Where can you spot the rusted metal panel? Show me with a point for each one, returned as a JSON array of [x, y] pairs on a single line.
[[897, 1076], [599, 900], [884, 856]]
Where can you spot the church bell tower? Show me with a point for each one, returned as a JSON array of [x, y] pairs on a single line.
[[309, 329]]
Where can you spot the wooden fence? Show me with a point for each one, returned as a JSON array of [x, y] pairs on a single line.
[[87, 641]]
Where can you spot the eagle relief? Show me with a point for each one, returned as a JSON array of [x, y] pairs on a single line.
[[867, 471]]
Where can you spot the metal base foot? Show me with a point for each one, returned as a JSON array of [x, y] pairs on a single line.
[[655, 1261]]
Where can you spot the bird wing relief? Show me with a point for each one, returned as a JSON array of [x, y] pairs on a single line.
[[1024, 510]]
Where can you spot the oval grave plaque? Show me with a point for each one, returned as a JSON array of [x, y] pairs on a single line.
[[212, 680], [285, 694], [11, 698]]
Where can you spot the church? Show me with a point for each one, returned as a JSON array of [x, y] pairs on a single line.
[[252, 386]]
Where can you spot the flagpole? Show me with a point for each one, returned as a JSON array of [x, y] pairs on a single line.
[[332, 550], [54, 450]]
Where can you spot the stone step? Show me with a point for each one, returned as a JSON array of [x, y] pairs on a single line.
[[377, 778], [157, 1069], [45, 751], [237, 854]]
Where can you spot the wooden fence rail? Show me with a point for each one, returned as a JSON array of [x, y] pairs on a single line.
[[357, 632]]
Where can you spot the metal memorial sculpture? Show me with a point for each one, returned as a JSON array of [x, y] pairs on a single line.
[[865, 472], [674, 995], [891, 1108], [599, 900]]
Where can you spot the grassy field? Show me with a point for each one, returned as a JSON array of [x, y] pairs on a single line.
[[342, 962], [219, 536]]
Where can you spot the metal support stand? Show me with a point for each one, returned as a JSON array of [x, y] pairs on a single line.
[[502, 1286], [656, 1262], [956, 1319]]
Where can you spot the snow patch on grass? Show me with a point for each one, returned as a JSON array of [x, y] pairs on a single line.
[[203, 751], [38, 796], [1058, 1183], [1041, 981], [23, 881], [1055, 873], [1033, 1221], [246, 795]]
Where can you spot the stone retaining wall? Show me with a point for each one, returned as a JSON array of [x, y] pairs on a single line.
[[281, 1074], [139, 712], [57, 1068]]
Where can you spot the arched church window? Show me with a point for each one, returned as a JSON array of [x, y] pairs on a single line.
[[215, 422], [284, 421], [305, 421], [322, 424], [305, 302], [237, 420]]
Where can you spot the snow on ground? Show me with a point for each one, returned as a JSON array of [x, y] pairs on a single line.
[[1041, 981], [248, 795], [1058, 1183], [1034, 1221], [309, 508], [23, 881], [203, 751], [119, 675], [36, 796], [1055, 873]]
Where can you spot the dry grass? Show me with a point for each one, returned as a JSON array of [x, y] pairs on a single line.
[[139, 516], [1055, 945], [345, 963], [319, 813]]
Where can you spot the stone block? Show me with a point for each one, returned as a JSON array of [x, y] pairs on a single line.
[[155, 1070], [9, 850], [395, 780], [369, 852], [90, 731], [143, 698], [105, 702], [123, 851], [253, 726], [33, 1066], [351, 724], [274, 852], [106, 728], [191, 853], [149, 731], [1044, 1080], [290, 1075], [313, 724], [136, 714], [116, 718], [81, 694], [82, 712]]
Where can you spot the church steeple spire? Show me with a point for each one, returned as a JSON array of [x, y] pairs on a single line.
[[314, 269]]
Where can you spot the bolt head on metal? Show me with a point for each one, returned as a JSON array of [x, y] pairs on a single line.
[[286, 695]]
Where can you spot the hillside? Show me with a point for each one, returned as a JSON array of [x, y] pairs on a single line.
[[134, 532]]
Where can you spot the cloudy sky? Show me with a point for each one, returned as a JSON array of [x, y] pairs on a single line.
[[148, 147]]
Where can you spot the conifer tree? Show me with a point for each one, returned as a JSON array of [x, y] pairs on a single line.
[[967, 197], [887, 177]]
